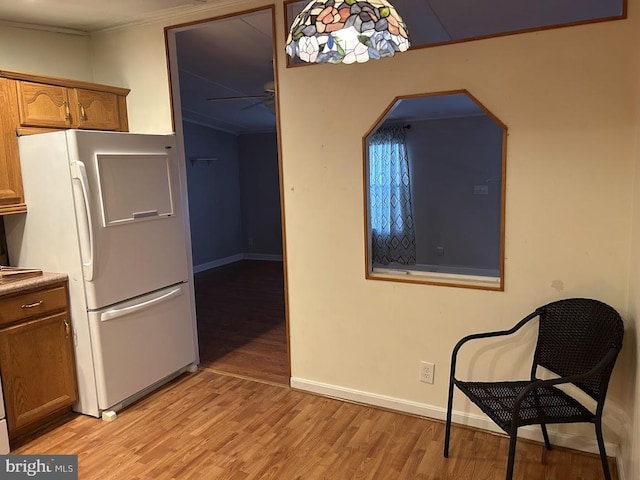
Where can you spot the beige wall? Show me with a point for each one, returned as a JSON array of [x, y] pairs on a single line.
[[630, 445], [45, 53], [135, 58], [568, 205], [565, 96]]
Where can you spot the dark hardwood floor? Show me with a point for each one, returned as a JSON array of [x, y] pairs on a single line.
[[241, 320]]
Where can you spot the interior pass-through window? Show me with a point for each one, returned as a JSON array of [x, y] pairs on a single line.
[[434, 175]]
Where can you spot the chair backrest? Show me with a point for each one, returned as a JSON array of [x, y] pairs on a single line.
[[574, 335]]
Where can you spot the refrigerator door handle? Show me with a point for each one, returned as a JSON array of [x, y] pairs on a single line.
[[79, 172], [121, 312]]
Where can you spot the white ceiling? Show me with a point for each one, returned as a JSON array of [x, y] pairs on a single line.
[[227, 58], [433, 107], [233, 56], [87, 15]]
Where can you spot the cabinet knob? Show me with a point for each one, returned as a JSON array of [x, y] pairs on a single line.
[[67, 112], [67, 329], [32, 305]]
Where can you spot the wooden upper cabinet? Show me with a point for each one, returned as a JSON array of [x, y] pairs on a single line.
[[35, 103], [42, 105], [96, 110], [11, 193], [54, 106]]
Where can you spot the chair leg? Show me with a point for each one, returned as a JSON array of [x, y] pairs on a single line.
[[447, 429], [603, 452], [512, 453], [547, 443]]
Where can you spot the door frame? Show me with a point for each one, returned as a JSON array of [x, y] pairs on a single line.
[[176, 119]]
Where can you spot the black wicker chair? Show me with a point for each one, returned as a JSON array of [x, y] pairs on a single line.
[[578, 340]]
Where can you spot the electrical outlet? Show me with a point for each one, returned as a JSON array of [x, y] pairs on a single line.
[[481, 189], [426, 372]]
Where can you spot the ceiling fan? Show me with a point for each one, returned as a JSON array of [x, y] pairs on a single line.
[[267, 98]]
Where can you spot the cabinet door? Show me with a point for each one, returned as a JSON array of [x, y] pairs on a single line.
[[11, 193], [43, 105], [96, 110], [38, 373]]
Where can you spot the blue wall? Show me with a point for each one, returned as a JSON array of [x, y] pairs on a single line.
[[260, 193], [214, 194], [234, 200], [448, 157]]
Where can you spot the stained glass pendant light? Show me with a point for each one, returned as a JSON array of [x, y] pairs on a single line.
[[347, 31]]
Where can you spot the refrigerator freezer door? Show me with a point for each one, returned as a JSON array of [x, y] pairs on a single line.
[[140, 342], [127, 200]]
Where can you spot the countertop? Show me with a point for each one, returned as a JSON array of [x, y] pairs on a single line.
[[31, 283]]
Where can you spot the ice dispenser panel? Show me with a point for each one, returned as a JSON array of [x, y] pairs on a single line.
[[134, 187]]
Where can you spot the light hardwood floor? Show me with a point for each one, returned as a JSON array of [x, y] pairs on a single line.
[[206, 426]]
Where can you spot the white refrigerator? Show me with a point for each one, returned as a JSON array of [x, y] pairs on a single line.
[[106, 208]]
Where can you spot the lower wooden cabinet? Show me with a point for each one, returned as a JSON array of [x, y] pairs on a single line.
[[36, 358]]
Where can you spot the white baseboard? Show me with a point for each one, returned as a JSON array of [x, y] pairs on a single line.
[[236, 258], [269, 257], [620, 465], [217, 263], [439, 413]]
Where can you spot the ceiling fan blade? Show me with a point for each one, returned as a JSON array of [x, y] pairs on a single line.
[[264, 99], [240, 97]]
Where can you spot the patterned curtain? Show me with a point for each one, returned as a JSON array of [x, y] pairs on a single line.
[[392, 233]]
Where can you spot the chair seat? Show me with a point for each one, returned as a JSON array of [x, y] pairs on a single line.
[[542, 405]]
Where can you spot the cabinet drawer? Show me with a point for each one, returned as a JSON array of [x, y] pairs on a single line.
[[20, 307]]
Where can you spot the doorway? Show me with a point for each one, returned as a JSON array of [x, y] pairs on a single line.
[[223, 79]]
